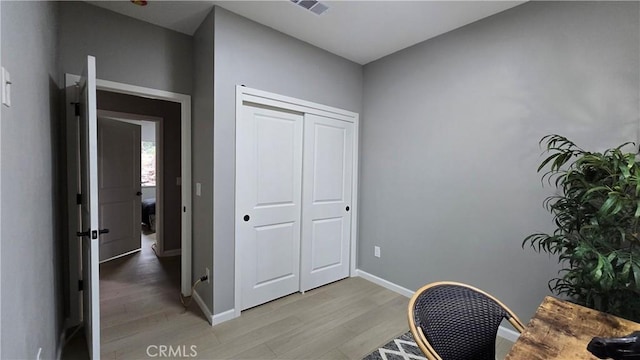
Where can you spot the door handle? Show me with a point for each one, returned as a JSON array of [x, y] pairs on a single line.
[[83, 233], [138, 193], [347, 208], [246, 218], [92, 234]]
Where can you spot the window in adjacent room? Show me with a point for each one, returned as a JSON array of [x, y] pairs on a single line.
[[148, 163]]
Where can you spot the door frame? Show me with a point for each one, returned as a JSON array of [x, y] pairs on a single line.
[[72, 182], [157, 121], [265, 98]]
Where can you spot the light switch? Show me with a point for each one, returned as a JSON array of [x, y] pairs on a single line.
[[198, 189], [6, 87]]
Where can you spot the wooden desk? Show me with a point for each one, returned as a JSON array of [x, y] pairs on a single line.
[[562, 330]]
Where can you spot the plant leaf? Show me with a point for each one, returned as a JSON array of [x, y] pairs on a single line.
[[636, 274]]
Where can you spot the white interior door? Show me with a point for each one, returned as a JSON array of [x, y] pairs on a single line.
[[119, 189], [326, 216], [90, 213], [268, 210]]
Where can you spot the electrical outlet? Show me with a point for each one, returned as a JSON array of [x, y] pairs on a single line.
[[206, 272], [6, 88], [376, 251]]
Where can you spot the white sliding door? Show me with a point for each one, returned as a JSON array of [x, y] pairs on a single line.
[[327, 187], [295, 190], [268, 203]]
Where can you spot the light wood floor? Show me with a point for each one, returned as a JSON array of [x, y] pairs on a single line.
[[140, 307]]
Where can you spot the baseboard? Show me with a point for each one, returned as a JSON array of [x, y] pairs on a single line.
[[508, 334], [503, 332], [203, 306], [174, 252], [385, 283], [224, 316]]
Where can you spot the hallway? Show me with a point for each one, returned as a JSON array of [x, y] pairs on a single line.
[[139, 296]]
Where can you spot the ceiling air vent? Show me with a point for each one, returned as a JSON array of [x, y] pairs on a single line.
[[314, 6]]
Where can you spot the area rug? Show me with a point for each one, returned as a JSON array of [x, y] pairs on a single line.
[[401, 348]]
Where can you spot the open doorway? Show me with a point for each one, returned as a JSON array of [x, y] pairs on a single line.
[[131, 172], [167, 181], [139, 290], [177, 186]]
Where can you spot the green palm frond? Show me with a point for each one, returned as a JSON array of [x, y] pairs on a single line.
[[597, 218]]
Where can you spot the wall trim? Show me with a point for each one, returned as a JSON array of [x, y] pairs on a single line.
[[203, 306], [503, 332], [224, 316], [186, 170], [290, 103], [508, 334], [72, 186], [385, 283], [168, 253]]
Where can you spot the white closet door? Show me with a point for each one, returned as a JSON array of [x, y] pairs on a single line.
[[326, 216], [268, 198]]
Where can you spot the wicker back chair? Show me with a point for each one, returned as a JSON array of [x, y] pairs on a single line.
[[454, 321]]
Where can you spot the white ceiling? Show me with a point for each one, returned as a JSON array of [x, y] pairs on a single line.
[[181, 16], [361, 31]]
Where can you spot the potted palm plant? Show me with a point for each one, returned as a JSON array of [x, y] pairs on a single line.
[[596, 211]]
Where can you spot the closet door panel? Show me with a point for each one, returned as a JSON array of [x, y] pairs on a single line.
[[268, 201], [327, 186]]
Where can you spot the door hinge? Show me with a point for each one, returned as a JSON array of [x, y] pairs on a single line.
[[76, 108], [80, 285], [79, 199]]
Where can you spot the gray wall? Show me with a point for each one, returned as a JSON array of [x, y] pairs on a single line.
[[171, 151], [202, 155], [126, 50], [32, 310], [449, 187], [147, 131], [256, 56]]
